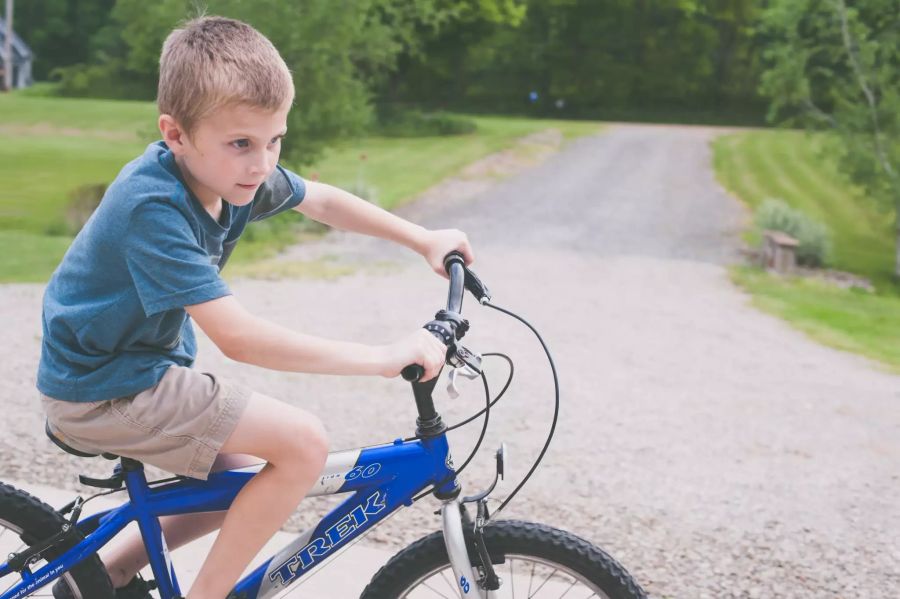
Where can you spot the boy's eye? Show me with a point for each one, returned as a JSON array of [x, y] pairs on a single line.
[[241, 143], [276, 139]]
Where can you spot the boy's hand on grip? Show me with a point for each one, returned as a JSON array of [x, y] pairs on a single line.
[[421, 348], [437, 244]]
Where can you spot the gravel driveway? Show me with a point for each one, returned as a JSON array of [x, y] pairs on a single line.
[[710, 448]]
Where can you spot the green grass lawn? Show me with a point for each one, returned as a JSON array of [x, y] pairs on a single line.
[[791, 166], [852, 320], [54, 145], [112, 117]]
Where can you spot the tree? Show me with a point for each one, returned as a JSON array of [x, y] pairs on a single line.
[[59, 31], [835, 65], [339, 51], [599, 58]]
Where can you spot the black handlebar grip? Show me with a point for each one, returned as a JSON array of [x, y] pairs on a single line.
[[412, 373], [454, 256]]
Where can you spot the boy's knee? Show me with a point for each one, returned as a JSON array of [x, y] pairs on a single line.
[[307, 442], [316, 441]]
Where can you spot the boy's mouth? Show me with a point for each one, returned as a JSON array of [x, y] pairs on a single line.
[[251, 186]]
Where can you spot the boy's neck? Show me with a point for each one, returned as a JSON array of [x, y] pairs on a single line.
[[210, 201]]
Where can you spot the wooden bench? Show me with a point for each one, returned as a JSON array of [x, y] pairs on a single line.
[[779, 251]]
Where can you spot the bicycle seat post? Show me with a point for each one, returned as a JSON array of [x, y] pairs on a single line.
[[151, 531], [135, 479]]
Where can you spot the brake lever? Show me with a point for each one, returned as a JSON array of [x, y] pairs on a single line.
[[465, 363], [466, 372]]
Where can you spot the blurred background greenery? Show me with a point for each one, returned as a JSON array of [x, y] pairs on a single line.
[[395, 95]]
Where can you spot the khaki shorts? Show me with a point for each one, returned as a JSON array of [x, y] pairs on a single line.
[[178, 425]]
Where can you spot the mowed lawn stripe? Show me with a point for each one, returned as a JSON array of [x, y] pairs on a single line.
[[795, 167], [732, 170]]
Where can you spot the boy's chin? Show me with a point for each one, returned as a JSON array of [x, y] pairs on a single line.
[[240, 197]]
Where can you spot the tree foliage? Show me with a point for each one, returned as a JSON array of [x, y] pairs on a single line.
[[583, 58], [338, 50], [596, 57], [835, 65]]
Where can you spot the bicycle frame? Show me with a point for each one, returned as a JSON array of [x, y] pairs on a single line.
[[380, 478]]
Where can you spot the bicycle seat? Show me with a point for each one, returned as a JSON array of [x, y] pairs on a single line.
[[58, 439]]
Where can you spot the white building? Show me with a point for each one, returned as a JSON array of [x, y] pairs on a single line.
[[22, 58]]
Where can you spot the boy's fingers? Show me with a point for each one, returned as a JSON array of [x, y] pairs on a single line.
[[433, 354], [466, 249]]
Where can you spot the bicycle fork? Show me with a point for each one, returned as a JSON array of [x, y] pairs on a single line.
[[453, 514], [454, 538]]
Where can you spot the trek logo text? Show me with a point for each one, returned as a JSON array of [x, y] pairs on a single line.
[[321, 546]]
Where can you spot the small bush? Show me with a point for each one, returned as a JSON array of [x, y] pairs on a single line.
[[364, 190], [57, 228], [83, 201], [418, 124], [281, 231], [108, 80], [41, 89], [814, 237]]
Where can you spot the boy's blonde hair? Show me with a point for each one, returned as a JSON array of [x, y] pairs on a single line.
[[212, 62]]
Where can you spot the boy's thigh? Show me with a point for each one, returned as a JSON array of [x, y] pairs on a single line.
[[178, 425], [276, 431], [230, 461]]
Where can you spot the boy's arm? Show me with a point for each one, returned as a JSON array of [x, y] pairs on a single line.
[[343, 210], [247, 338]]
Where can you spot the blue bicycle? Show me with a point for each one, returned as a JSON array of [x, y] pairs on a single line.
[[470, 557]]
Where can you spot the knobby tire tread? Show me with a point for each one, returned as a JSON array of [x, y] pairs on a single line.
[[508, 537]]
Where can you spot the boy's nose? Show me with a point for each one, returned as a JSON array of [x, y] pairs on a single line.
[[260, 165]]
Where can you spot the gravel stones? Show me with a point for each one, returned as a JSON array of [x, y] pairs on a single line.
[[711, 449]]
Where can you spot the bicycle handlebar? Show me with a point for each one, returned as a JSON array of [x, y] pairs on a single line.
[[448, 325]]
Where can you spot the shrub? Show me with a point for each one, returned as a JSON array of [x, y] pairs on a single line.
[[364, 190], [83, 200], [40, 89], [814, 238], [108, 80], [412, 123]]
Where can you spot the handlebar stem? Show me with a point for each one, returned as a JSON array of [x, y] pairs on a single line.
[[448, 326]]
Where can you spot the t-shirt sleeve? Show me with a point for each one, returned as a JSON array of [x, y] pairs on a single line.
[[167, 264], [282, 191]]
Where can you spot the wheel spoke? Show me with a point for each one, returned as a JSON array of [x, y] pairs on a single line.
[[571, 586], [435, 591], [531, 578], [555, 570], [449, 584]]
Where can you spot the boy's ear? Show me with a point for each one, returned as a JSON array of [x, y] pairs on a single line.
[[172, 133]]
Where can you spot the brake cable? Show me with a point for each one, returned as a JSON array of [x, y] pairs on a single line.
[[540, 457], [492, 403], [489, 404], [509, 379], [487, 413]]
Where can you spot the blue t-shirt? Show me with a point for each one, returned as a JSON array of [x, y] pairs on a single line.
[[114, 317]]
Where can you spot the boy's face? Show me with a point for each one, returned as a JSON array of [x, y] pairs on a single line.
[[229, 153]]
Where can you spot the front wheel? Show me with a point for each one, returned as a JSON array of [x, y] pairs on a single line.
[[532, 560]]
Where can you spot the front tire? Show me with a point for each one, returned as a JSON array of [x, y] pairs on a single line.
[[24, 520], [529, 558]]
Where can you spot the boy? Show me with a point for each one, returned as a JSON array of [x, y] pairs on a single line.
[[118, 344]]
